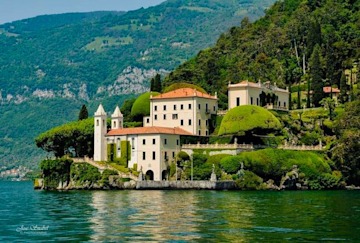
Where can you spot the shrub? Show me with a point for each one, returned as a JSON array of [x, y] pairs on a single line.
[[199, 159], [231, 164], [55, 171], [85, 172], [215, 159], [183, 156], [250, 181]]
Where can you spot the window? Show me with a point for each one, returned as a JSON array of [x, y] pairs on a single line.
[[165, 141], [153, 155], [175, 116], [115, 124], [103, 123], [181, 107], [144, 155], [155, 108], [207, 107], [155, 117], [199, 122], [279, 103], [164, 107], [133, 143], [189, 122], [181, 122], [237, 101], [199, 106], [285, 104], [189, 106], [174, 107], [199, 132], [173, 154], [144, 141], [165, 155], [153, 140], [147, 120], [251, 100], [177, 142], [214, 108], [206, 122], [207, 132], [257, 101], [164, 116], [97, 123]]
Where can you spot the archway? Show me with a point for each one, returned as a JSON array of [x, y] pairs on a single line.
[[164, 175], [149, 175]]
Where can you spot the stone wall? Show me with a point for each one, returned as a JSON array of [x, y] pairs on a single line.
[[194, 185]]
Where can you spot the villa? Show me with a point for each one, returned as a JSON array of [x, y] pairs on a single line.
[[180, 113]]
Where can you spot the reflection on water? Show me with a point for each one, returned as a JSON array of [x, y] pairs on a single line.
[[178, 216]]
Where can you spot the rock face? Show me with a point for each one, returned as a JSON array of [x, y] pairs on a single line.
[[291, 180]]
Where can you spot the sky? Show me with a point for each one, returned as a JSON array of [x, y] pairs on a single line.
[[11, 10]]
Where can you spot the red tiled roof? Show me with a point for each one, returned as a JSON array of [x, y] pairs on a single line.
[[148, 130], [183, 93], [328, 89]]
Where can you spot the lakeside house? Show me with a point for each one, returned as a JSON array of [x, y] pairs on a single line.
[[179, 113]]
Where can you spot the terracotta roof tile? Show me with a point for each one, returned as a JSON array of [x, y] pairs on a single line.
[[147, 130], [182, 93], [328, 89]]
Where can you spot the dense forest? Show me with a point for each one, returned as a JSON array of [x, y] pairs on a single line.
[[302, 44], [51, 65]]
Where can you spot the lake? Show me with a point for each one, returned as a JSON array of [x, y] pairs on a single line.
[[177, 216]]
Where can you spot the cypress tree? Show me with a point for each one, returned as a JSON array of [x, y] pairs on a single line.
[[316, 76], [343, 97], [83, 114], [298, 105], [157, 83], [152, 81]]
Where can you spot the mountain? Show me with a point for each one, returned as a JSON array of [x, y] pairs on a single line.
[[279, 48], [51, 65]]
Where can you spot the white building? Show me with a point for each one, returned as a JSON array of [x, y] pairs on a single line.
[[185, 108], [151, 148], [265, 95]]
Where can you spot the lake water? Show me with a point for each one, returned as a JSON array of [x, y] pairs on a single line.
[[177, 216]]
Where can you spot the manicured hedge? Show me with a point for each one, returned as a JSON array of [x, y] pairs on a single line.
[[141, 106], [248, 117], [176, 86]]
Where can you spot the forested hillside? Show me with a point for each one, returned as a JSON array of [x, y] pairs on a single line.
[[301, 43], [51, 65]]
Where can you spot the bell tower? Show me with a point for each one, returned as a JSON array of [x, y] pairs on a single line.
[[117, 119], [100, 129]]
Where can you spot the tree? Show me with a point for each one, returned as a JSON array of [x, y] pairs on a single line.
[[316, 76], [298, 102], [346, 152], [83, 114], [74, 136], [343, 97], [157, 83], [328, 104], [126, 109], [152, 81]]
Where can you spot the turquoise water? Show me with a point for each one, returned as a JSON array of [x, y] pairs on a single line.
[[177, 216]]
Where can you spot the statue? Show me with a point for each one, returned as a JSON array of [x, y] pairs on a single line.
[[213, 175]]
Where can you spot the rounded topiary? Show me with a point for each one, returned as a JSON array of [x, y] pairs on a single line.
[[141, 106], [183, 85], [246, 118]]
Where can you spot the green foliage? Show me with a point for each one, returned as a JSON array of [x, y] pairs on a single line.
[[231, 165], [125, 153], [316, 76], [183, 85], [85, 173], [55, 171], [83, 114], [156, 83], [183, 156], [141, 106], [346, 151], [50, 55], [245, 118], [126, 109], [215, 159], [250, 181], [60, 140], [310, 138], [105, 176], [120, 168]]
